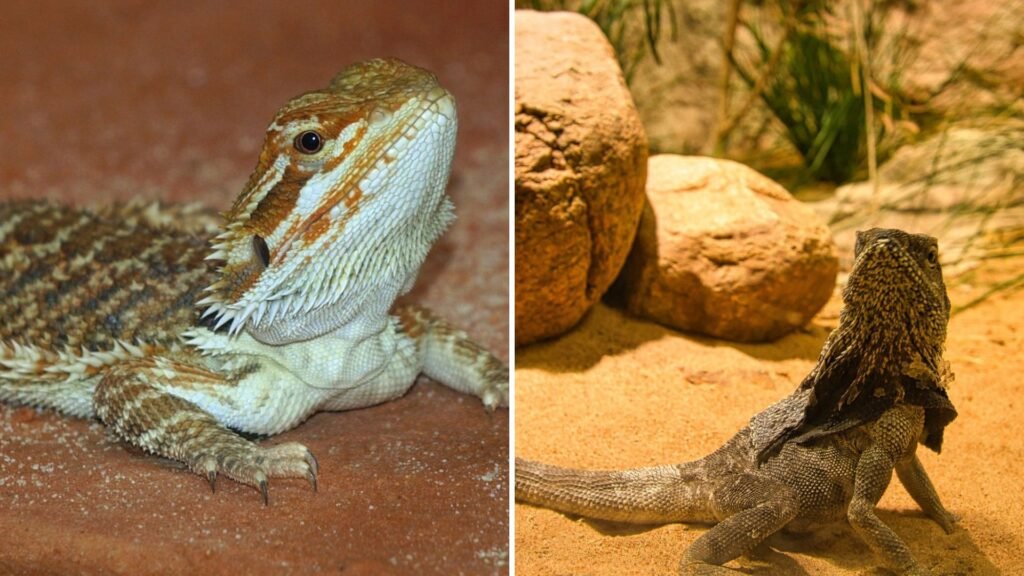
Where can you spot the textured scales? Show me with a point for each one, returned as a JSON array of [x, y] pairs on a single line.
[[823, 453], [176, 329]]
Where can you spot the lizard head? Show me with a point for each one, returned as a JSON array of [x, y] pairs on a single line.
[[887, 348], [898, 274], [346, 199], [893, 322]]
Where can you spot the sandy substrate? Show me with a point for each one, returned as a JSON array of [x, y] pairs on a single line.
[[619, 393]]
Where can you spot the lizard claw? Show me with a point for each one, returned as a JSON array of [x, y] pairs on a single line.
[[314, 469], [263, 491], [948, 522], [314, 466], [254, 465]]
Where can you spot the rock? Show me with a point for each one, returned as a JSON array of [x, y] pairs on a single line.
[[962, 57], [581, 160], [960, 185], [972, 165], [725, 251]]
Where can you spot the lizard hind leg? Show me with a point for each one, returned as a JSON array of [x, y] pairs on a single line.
[[753, 508], [130, 400], [453, 359]]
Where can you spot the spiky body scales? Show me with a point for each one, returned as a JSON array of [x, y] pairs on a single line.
[[76, 279], [177, 330]]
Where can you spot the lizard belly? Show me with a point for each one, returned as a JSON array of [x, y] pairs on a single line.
[[392, 380], [280, 386], [267, 400]]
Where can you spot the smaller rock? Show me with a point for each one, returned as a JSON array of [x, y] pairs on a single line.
[[725, 251]]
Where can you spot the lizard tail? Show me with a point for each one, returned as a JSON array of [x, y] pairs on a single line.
[[656, 495]]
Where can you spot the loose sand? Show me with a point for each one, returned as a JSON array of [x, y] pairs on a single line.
[[618, 392]]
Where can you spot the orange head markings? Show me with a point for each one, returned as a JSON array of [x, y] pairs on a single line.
[[346, 199]]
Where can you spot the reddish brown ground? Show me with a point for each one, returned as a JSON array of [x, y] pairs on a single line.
[[132, 99], [620, 393]]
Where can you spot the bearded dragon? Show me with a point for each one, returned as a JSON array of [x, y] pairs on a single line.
[[823, 453], [177, 336]]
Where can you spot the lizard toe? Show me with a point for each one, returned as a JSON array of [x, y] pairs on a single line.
[[255, 465], [495, 394]]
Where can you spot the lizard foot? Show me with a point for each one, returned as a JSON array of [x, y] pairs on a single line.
[[947, 520], [130, 401], [254, 465], [452, 358], [495, 393]]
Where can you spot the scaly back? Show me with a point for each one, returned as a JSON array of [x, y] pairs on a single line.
[[72, 279]]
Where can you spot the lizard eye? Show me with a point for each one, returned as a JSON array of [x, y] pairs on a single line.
[[260, 250], [309, 142], [933, 257]]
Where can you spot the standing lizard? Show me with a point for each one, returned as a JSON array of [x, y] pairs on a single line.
[[826, 451], [177, 336]]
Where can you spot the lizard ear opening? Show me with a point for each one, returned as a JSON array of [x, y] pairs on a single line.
[[261, 251]]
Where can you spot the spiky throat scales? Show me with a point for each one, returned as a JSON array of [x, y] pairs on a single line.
[[346, 199]]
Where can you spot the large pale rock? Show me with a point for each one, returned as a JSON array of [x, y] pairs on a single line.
[[581, 159], [725, 251], [964, 58], [973, 166], [961, 185]]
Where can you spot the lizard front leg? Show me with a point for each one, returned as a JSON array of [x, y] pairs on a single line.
[[913, 477], [891, 436], [450, 357], [134, 399]]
